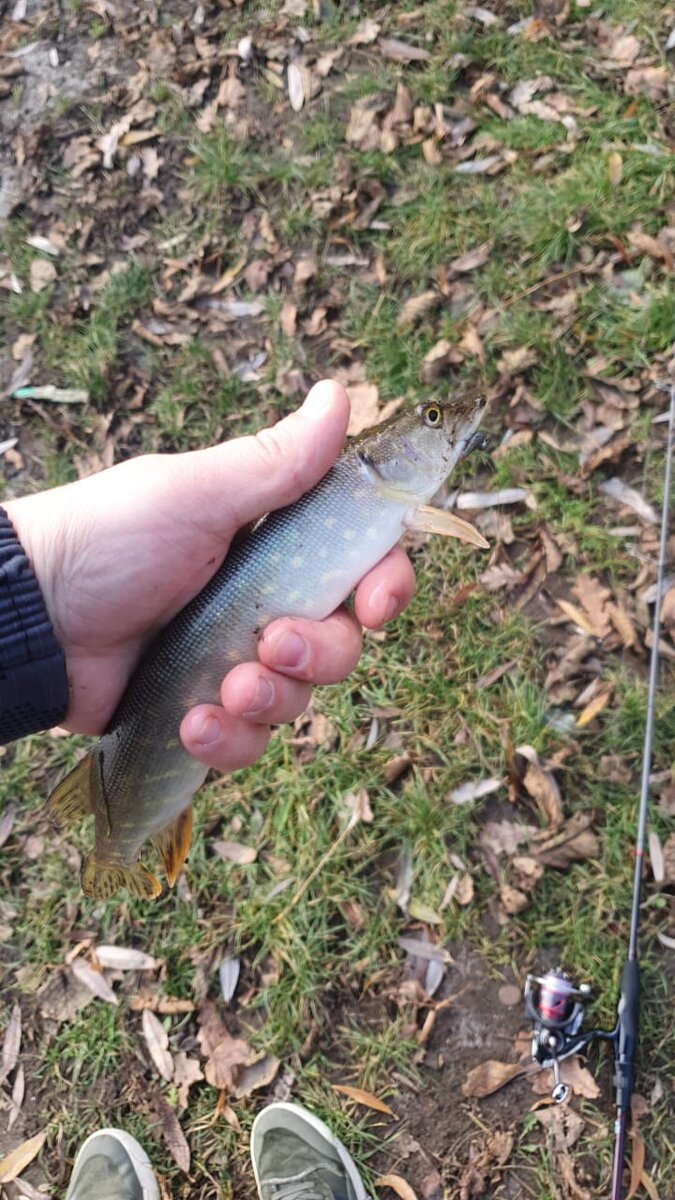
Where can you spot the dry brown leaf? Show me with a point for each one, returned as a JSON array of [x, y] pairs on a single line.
[[364, 407], [225, 1062], [186, 1071], [171, 1132], [17, 1097], [543, 789], [565, 1168], [42, 273], [397, 51], [489, 1077], [464, 890], [398, 1185], [575, 842], [157, 1041], [358, 804], [365, 33], [562, 1123], [593, 597], [125, 958], [512, 899], [623, 624], [235, 852], [11, 1043], [575, 615], [595, 706], [669, 860], [94, 980], [614, 168], [15, 1163], [651, 82], [435, 361], [359, 1096], [416, 306], [258, 1075], [472, 344], [637, 1162], [471, 260]]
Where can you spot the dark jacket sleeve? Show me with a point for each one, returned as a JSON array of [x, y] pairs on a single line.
[[33, 679]]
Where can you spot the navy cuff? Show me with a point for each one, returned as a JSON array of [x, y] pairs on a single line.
[[33, 679]]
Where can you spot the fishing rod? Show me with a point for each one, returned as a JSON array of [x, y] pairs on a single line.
[[553, 1002]]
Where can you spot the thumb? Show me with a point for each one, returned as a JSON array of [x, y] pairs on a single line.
[[242, 479]]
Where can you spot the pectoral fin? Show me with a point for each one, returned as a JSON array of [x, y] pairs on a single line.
[[75, 796], [102, 880], [426, 519], [173, 843]]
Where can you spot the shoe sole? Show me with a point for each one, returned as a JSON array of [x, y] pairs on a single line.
[[312, 1129], [141, 1163]]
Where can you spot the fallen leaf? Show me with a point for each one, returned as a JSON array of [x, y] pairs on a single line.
[[471, 260], [398, 1185], [42, 273], [14, 1163], [614, 168], [421, 948], [544, 790], [669, 860], [228, 973], [93, 980], [397, 51], [422, 912], [617, 490], [124, 958], [575, 842], [186, 1071], [157, 1041], [623, 624], [656, 857], [171, 1132], [258, 1075], [577, 617], [416, 306], [472, 790], [562, 1123], [226, 1061], [296, 87], [359, 1096], [651, 82], [596, 705], [358, 804], [11, 1043], [236, 853], [489, 1077], [16, 1099], [365, 33], [495, 499], [593, 597]]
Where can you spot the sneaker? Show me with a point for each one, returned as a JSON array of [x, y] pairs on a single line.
[[296, 1157], [112, 1166]]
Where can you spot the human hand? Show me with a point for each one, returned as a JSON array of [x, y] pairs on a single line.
[[118, 554]]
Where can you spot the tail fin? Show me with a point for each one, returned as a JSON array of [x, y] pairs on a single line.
[[74, 796], [101, 880]]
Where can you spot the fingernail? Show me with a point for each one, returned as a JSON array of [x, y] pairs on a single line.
[[208, 733], [391, 606], [262, 698], [318, 401], [291, 650]]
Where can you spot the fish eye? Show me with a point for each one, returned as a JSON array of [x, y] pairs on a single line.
[[432, 415]]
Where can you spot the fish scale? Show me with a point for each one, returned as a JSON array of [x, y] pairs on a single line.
[[300, 561]]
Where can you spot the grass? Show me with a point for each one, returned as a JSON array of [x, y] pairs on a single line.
[[310, 970]]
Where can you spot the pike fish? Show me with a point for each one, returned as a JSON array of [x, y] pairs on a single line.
[[303, 560]]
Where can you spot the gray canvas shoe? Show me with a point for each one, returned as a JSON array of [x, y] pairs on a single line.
[[112, 1166], [296, 1157]]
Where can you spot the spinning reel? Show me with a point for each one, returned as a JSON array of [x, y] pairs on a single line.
[[556, 1009]]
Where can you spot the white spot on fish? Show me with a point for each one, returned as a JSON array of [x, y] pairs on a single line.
[[294, 597], [349, 534], [269, 589], [297, 560], [371, 532], [330, 522], [322, 552], [275, 558]]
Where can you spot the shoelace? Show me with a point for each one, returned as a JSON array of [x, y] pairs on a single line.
[[300, 1187]]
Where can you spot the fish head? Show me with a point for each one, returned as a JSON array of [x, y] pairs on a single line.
[[413, 453]]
